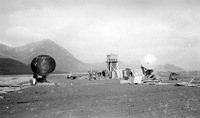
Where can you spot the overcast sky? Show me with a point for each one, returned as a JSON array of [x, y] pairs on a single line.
[[91, 29]]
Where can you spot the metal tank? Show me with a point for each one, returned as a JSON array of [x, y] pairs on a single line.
[[42, 65]]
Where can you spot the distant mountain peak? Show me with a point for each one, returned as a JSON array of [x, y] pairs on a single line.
[[41, 42], [44, 44], [46, 41], [168, 67]]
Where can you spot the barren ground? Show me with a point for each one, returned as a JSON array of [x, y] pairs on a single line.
[[100, 99]]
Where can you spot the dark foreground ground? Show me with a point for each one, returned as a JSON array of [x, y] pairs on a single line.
[[101, 99]]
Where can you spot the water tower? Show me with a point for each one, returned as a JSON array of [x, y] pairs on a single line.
[[112, 62]]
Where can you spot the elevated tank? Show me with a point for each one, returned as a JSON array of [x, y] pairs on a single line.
[[43, 65]]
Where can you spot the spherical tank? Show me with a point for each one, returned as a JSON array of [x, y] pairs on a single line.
[[43, 65], [149, 61]]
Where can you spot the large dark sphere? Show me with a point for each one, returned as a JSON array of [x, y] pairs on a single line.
[[43, 65]]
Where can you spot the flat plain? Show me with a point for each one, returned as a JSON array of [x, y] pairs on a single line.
[[105, 98]]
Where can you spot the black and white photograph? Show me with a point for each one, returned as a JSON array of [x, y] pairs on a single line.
[[99, 58]]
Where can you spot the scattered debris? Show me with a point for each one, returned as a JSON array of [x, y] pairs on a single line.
[[194, 82], [181, 84]]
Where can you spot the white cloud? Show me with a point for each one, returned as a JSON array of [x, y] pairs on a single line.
[[129, 28]]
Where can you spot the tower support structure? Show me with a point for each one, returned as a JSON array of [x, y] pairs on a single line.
[[112, 62]]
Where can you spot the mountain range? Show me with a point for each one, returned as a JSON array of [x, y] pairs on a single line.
[[15, 60], [168, 67], [65, 62]]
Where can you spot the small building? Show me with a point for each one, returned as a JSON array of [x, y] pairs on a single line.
[[174, 76]]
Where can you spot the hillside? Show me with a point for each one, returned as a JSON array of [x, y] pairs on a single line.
[[65, 62], [11, 66], [168, 67], [17, 60], [6, 51]]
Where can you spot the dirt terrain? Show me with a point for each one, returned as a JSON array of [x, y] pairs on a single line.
[[100, 99]]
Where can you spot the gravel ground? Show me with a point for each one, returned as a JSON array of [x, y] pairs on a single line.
[[100, 99]]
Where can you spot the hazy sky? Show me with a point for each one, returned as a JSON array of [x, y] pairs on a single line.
[[91, 29]]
